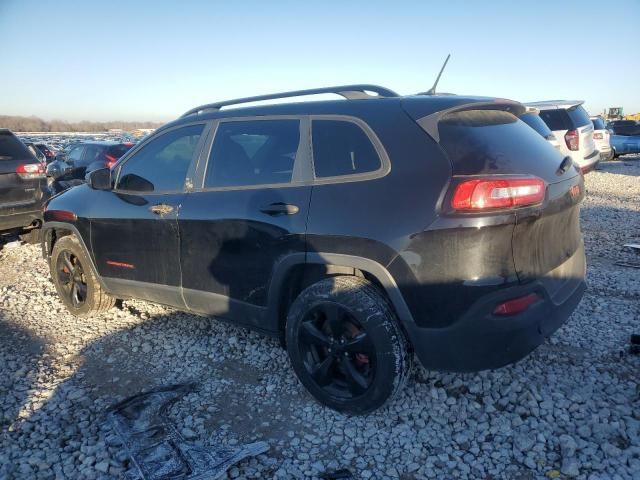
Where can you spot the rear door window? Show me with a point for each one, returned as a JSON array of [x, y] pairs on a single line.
[[162, 164], [253, 152], [342, 148]]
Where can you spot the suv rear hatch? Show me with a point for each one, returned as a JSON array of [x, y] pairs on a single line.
[[488, 141], [565, 121], [21, 175]]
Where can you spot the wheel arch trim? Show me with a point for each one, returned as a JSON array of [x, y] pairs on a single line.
[[47, 248], [378, 271]]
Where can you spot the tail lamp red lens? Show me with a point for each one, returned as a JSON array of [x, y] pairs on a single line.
[[490, 193], [572, 138], [111, 160], [598, 135], [516, 305], [30, 171], [60, 215]]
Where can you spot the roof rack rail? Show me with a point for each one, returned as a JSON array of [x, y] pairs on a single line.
[[350, 92]]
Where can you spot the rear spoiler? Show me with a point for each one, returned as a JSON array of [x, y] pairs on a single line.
[[430, 121]]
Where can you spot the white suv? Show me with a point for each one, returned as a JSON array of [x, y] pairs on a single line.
[[571, 125], [601, 138]]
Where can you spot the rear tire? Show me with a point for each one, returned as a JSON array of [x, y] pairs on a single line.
[[346, 346], [75, 280]]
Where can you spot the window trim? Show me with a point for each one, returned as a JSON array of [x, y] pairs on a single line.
[[385, 163], [133, 151], [301, 168]]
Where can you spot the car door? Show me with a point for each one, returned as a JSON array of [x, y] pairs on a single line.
[[134, 229], [247, 212]]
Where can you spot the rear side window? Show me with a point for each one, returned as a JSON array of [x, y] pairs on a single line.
[[12, 149], [598, 124], [162, 164], [535, 122], [556, 119], [253, 152], [342, 148], [92, 153], [579, 116]]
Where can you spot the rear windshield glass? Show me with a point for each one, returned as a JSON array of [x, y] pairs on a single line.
[[579, 116], [12, 149], [480, 140], [119, 150], [535, 122], [598, 123], [556, 119]]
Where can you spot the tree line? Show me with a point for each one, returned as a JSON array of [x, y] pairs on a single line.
[[34, 124]]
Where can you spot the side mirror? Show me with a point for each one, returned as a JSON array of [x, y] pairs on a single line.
[[100, 179]]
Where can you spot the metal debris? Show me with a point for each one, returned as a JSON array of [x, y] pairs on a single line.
[[633, 246], [627, 264], [157, 450]]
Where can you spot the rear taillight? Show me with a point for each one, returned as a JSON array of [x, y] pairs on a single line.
[[111, 160], [598, 135], [515, 305], [491, 193], [572, 137], [60, 216], [30, 171]]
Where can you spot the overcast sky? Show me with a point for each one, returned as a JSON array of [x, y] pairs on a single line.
[[152, 60]]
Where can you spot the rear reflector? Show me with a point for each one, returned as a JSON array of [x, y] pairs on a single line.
[[30, 171], [60, 216], [489, 193], [516, 305], [598, 135], [572, 138]]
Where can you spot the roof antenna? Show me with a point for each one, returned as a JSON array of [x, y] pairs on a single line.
[[432, 90]]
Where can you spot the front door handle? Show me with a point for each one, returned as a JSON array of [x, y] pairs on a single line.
[[161, 209], [277, 209]]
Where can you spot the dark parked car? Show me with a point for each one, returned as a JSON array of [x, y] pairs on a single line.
[[71, 165], [357, 231], [22, 188], [624, 127], [47, 151]]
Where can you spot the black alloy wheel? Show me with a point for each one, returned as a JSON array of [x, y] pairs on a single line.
[[72, 278], [336, 351]]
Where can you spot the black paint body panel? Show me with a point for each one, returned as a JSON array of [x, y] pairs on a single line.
[[218, 254]]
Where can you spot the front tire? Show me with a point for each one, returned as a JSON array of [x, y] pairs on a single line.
[[346, 346], [74, 279]]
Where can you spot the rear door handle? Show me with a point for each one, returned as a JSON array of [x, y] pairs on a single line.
[[161, 209], [277, 209]]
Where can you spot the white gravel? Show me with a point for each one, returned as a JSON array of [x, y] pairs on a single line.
[[570, 409]]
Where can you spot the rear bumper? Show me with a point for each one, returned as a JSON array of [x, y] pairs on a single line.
[[20, 220], [588, 163], [481, 340]]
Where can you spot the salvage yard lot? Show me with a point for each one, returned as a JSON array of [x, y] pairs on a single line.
[[570, 409]]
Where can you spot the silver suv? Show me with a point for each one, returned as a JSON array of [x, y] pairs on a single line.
[[570, 123]]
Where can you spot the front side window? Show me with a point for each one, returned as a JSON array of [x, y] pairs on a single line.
[[253, 152], [162, 164], [342, 148]]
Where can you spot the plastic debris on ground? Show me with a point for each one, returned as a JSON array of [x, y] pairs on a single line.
[[155, 447]]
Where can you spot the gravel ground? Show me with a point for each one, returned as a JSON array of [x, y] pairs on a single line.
[[570, 409]]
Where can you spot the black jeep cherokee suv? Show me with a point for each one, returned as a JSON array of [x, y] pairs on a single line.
[[23, 189], [358, 230]]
